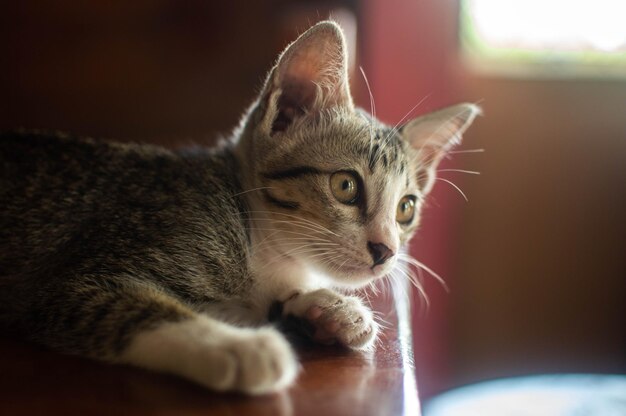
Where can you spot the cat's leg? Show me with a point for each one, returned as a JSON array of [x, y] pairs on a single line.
[[331, 317], [215, 354], [129, 322]]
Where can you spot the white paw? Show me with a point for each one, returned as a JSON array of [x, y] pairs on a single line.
[[335, 317], [255, 362], [216, 355]]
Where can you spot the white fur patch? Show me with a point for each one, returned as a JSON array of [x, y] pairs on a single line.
[[217, 355]]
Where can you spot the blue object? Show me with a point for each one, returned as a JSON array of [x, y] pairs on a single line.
[[544, 395]]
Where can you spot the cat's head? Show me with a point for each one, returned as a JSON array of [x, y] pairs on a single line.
[[327, 183]]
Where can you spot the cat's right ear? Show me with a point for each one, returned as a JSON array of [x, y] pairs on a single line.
[[311, 75]]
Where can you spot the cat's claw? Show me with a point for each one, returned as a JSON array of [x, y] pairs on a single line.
[[335, 318]]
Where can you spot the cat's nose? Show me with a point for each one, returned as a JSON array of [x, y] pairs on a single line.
[[380, 252]]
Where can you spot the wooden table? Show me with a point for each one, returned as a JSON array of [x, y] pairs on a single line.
[[334, 381]]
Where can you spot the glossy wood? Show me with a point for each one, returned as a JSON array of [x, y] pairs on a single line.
[[333, 381]]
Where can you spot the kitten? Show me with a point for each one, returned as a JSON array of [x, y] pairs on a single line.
[[171, 261]]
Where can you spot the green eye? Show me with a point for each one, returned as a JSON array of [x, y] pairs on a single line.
[[406, 210], [345, 187]]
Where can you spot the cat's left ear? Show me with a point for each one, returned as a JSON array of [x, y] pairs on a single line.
[[434, 134], [311, 75]]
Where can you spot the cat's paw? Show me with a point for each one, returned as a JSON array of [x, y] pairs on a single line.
[[256, 362], [216, 355], [334, 317]]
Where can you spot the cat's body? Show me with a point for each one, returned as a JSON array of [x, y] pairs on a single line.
[[172, 260], [98, 208]]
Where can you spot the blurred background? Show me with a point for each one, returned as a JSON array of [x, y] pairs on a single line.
[[535, 260]]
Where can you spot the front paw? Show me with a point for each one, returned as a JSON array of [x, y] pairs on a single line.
[[251, 361], [216, 355], [334, 317]]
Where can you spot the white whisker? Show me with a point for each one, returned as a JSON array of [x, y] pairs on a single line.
[[418, 264], [372, 110], [397, 125], [471, 172], [252, 190], [285, 231], [296, 223], [415, 281], [455, 187], [369, 90], [312, 223], [466, 151]]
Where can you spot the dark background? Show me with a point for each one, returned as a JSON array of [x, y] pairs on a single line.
[[535, 261]]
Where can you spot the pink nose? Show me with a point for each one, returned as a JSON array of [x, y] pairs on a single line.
[[380, 252]]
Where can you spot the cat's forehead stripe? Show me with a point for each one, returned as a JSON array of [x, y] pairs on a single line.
[[387, 151]]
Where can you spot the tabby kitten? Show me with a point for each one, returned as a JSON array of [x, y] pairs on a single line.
[[171, 261]]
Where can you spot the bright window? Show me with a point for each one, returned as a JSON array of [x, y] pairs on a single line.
[[554, 37]]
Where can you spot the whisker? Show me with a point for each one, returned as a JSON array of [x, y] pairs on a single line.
[[372, 286], [322, 241], [397, 288], [471, 172], [367, 297], [419, 287], [325, 253], [304, 249], [285, 231], [307, 250], [312, 223], [455, 187], [445, 125], [397, 125], [332, 264], [272, 242], [466, 151], [251, 190], [383, 323], [369, 90], [372, 109], [294, 219], [418, 264], [296, 223]]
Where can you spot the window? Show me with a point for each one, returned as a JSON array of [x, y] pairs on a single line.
[[545, 37]]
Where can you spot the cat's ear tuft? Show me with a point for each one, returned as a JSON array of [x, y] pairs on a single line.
[[311, 75], [434, 134]]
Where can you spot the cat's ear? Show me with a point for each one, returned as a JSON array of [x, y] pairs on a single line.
[[311, 75], [434, 134]]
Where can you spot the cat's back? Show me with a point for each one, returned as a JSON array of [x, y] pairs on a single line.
[[54, 168], [64, 179], [35, 164], [63, 197], [29, 156]]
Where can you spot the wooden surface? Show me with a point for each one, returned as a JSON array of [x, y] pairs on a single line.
[[333, 381]]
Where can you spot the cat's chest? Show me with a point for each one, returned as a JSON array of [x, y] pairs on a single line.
[[277, 277]]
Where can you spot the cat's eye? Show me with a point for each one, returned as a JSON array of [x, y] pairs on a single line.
[[345, 187], [406, 209]]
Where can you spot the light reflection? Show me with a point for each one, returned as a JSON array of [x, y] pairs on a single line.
[[401, 288]]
